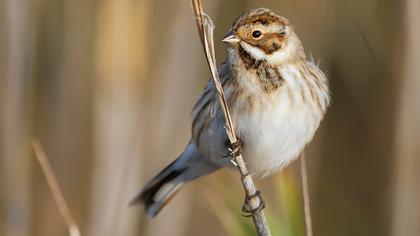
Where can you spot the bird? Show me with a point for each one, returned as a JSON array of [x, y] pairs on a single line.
[[276, 97]]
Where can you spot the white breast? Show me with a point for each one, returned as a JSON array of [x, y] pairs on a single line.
[[282, 123]]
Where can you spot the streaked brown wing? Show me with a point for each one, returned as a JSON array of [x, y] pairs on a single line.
[[206, 107]]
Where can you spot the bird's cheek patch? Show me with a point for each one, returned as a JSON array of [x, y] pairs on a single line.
[[272, 43]]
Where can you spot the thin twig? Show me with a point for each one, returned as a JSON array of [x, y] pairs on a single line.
[[306, 199], [55, 189], [205, 29]]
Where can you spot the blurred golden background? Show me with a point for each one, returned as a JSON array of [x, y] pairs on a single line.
[[107, 86]]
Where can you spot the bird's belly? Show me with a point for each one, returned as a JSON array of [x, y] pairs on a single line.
[[276, 133]]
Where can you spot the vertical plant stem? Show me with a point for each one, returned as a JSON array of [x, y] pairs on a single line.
[[406, 176], [120, 42], [16, 59], [205, 28], [306, 198]]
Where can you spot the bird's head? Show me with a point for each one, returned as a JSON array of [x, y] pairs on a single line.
[[263, 35]]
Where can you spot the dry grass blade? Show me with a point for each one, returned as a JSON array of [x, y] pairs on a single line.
[[306, 199], [197, 9], [55, 189], [205, 28], [209, 47]]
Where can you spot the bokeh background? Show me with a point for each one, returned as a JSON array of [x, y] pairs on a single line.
[[107, 86]]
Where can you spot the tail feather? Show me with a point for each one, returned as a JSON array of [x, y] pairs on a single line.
[[160, 190]]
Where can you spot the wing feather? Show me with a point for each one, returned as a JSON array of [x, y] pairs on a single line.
[[207, 105]]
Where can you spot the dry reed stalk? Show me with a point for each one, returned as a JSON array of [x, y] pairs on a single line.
[[405, 186], [205, 29], [306, 198], [119, 66], [55, 189], [17, 57]]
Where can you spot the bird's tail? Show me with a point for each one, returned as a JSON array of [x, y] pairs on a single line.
[[160, 190]]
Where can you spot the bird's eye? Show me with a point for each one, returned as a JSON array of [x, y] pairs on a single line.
[[256, 34]]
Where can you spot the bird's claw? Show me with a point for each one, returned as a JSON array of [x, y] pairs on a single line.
[[247, 210], [235, 149]]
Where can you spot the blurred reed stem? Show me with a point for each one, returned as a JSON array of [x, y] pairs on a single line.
[[16, 117], [120, 67], [55, 188], [406, 190]]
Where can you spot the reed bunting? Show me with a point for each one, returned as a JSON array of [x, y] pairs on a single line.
[[276, 97]]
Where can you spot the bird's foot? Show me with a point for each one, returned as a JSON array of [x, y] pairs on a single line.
[[256, 199], [235, 149]]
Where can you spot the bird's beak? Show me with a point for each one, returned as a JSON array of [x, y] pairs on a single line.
[[230, 38]]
